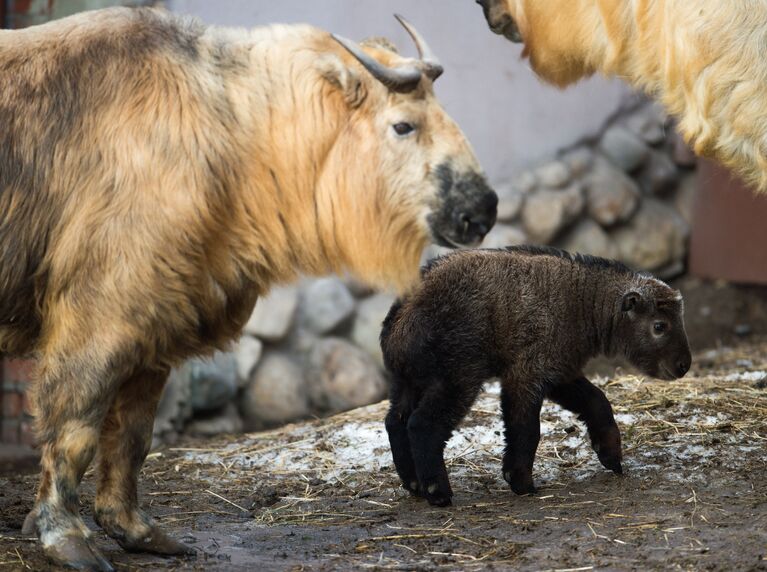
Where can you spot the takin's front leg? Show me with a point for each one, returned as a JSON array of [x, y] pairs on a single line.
[[71, 397], [521, 418], [588, 401], [126, 437]]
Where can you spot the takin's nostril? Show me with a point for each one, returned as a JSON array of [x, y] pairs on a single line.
[[683, 367], [465, 221]]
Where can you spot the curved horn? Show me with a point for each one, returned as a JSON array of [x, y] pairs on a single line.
[[401, 79], [433, 69]]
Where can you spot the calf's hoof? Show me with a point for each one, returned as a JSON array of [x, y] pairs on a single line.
[[412, 487], [75, 551], [612, 463], [437, 490], [608, 449], [438, 496], [521, 482]]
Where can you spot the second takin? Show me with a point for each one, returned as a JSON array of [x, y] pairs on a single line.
[[532, 317]]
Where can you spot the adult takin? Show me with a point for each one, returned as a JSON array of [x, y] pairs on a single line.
[[703, 60], [533, 317], [156, 177]]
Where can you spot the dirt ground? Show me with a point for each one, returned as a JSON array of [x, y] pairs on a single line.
[[323, 495]]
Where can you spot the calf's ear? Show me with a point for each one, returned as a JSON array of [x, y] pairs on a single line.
[[631, 301], [334, 71]]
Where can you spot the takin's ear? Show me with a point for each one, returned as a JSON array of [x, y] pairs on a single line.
[[334, 71], [632, 301]]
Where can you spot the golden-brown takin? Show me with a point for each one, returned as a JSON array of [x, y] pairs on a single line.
[[704, 60], [156, 177]]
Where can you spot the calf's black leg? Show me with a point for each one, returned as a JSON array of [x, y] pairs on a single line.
[[431, 424], [589, 402], [403, 400], [521, 417]]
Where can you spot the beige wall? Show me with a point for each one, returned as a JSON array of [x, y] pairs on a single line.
[[509, 116]]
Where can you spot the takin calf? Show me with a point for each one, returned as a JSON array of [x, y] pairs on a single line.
[[156, 177], [533, 317], [704, 60]]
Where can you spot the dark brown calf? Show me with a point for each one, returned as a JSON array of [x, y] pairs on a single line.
[[533, 317]]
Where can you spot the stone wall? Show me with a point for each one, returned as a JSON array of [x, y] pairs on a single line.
[[312, 348], [626, 193]]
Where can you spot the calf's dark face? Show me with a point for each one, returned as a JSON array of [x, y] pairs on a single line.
[[653, 336]]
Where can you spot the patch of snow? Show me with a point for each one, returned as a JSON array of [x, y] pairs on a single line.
[[746, 375], [626, 418]]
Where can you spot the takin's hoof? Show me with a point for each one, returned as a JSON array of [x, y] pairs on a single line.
[[412, 487], [520, 482], [156, 542], [612, 463], [66, 548], [439, 498], [29, 528], [75, 551], [437, 493], [608, 450]]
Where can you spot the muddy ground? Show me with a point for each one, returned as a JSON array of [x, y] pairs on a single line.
[[323, 495]]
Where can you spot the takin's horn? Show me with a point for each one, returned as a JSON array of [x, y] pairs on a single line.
[[432, 68], [401, 79]]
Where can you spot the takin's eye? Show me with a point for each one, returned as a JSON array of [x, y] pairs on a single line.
[[660, 328], [403, 129]]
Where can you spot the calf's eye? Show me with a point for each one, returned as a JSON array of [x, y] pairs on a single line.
[[660, 327], [403, 128]]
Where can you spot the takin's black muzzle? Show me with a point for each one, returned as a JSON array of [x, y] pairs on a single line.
[[499, 20], [467, 208]]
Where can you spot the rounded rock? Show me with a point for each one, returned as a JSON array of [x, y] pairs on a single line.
[[547, 213], [554, 175], [658, 175], [273, 314], [276, 394], [612, 197], [366, 329], [504, 235], [624, 149], [342, 376], [227, 422], [213, 382], [326, 304], [579, 160], [649, 123], [510, 201], [655, 238], [248, 352], [587, 237]]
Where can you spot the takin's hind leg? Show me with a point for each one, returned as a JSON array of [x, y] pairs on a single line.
[[126, 437], [591, 405], [429, 428], [71, 399], [403, 401]]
